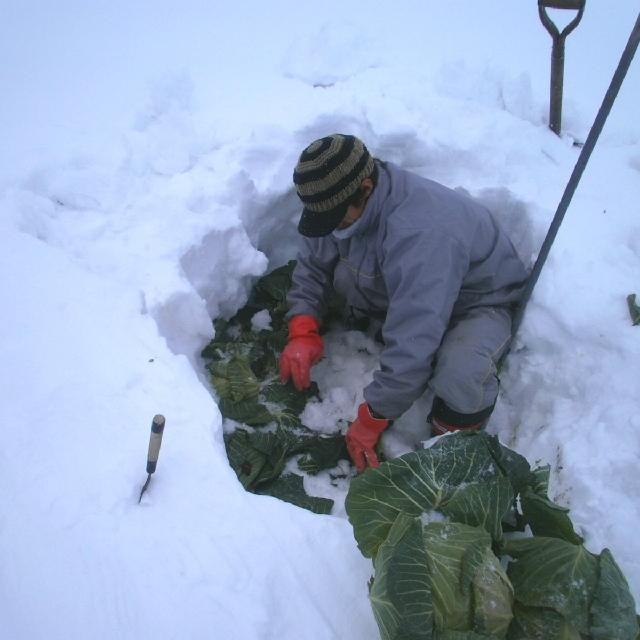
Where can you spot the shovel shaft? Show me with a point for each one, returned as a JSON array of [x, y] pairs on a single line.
[[557, 53], [557, 85], [155, 440]]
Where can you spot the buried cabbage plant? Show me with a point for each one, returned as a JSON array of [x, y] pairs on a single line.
[[436, 523], [266, 434]]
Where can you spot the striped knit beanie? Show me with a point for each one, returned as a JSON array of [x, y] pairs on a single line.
[[328, 173]]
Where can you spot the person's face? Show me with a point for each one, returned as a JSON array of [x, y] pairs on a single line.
[[354, 213]]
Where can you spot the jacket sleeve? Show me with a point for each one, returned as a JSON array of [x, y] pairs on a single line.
[[313, 278], [423, 271]]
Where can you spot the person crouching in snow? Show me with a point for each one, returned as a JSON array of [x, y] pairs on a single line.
[[435, 266]]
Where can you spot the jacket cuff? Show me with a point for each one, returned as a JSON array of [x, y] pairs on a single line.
[[375, 425], [303, 326]]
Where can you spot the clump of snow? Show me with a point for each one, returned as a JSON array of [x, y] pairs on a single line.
[[261, 321], [432, 516]]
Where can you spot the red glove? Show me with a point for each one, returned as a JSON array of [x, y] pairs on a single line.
[[303, 351], [363, 435]]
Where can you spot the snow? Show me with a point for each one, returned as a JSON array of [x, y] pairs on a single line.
[[146, 153], [261, 321]]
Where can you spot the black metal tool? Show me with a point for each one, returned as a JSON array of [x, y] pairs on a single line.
[[155, 440], [557, 53]]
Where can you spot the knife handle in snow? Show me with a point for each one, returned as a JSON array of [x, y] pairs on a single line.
[[155, 440]]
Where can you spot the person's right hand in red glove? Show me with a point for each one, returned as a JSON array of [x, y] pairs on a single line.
[[303, 351], [363, 436]]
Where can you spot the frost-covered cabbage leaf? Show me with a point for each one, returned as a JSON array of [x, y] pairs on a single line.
[[553, 573], [614, 609], [471, 591], [588, 591], [243, 368], [547, 518], [538, 623]]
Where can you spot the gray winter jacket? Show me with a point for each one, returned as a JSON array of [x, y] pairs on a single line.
[[421, 255]]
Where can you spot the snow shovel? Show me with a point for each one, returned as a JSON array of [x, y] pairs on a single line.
[[557, 53], [155, 440]]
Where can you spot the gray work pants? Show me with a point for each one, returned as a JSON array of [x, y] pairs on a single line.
[[465, 374]]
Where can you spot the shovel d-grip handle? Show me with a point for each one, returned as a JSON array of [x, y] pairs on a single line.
[[576, 5], [155, 440]]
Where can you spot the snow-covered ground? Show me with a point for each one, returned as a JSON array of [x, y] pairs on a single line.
[[146, 153]]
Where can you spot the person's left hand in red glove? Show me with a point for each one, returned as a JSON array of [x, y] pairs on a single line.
[[363, 436]]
